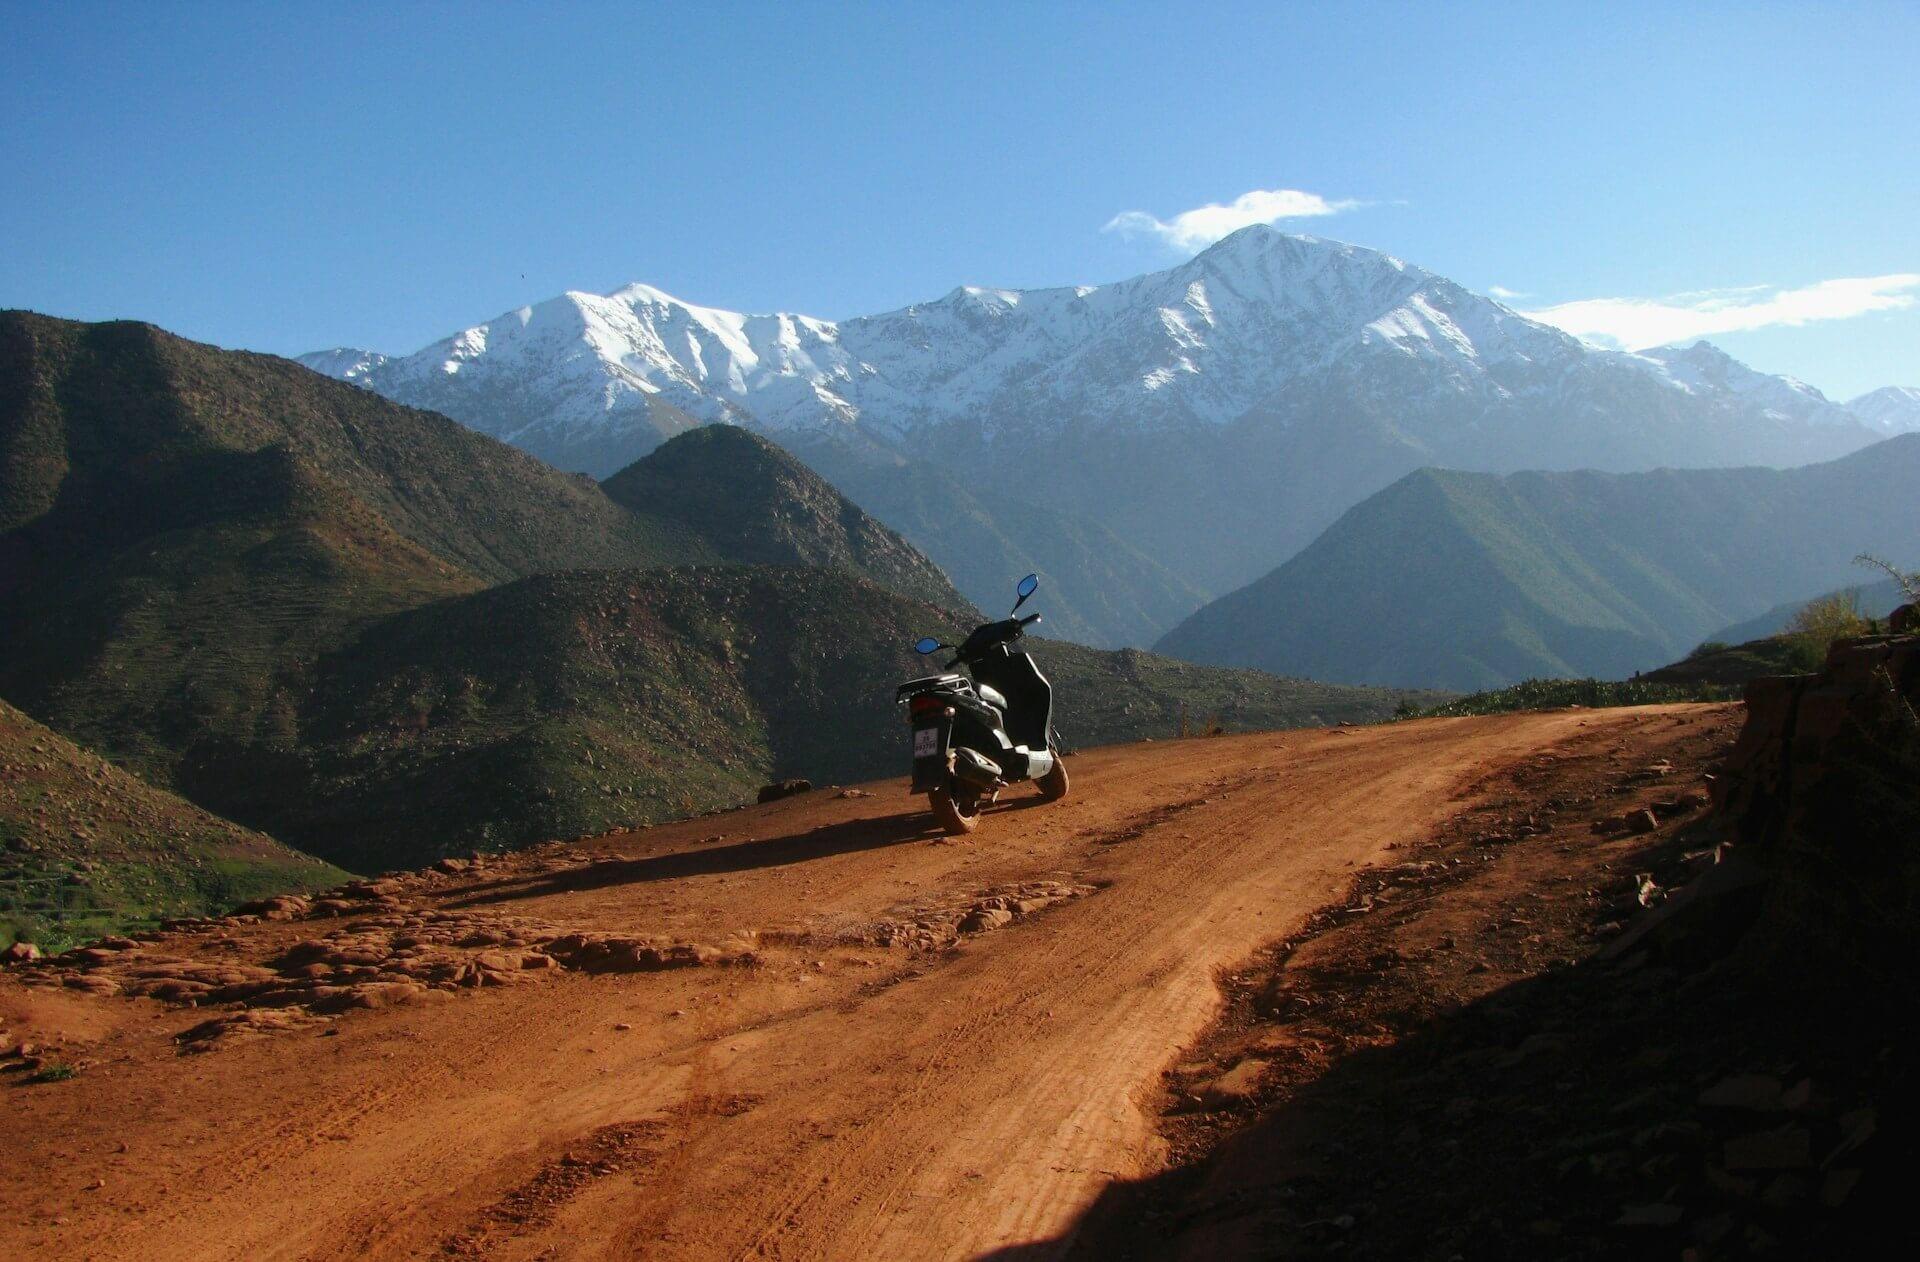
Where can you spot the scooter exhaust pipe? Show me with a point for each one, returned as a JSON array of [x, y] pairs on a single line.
[[976, 769]]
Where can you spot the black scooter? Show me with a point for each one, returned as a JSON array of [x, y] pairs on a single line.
[[974, 737]]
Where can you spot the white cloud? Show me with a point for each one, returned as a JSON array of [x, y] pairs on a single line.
[[1504, 294], [1203, 225], [1637, 323]]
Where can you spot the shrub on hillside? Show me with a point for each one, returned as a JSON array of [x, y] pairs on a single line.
[[1820, 622]]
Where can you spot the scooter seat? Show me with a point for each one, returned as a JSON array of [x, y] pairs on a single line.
[[929, 683], [991, 696]]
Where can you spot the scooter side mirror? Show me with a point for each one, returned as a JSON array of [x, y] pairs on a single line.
[[928, 645], [1027, 587]]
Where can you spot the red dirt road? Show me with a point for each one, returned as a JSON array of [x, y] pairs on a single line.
[[839, 1098]]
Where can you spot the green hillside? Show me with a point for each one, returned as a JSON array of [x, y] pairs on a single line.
[[184, 531], [1470, 581], [86, 849]]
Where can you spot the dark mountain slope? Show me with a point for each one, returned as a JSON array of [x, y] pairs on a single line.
[[86, 849], [1472, 580], [184, 531], [1732, 665], [568, 703], [755, 504], [95, 412]]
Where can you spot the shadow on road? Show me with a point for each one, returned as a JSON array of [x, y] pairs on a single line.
[[808, 846], [1563, 1116]]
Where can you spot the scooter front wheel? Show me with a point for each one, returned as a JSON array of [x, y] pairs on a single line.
[[955, 816], [1053, 785]]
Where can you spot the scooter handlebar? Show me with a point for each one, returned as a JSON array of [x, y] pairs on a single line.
[[1004, 632]]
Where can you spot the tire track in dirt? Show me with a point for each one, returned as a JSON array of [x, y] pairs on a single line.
[[608, 1151], [972, 1040]]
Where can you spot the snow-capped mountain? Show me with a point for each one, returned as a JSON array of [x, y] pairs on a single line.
[[1210, 340], [1704, 369], [1889, 410], [1202, 341], [1217, 414], [348, 363]]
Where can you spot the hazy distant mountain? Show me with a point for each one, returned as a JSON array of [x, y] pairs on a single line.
[[1876, 600], [348, 363], [1101, 590], [1215, 416], [1706, 371], [1890, 409], [1466, 580]]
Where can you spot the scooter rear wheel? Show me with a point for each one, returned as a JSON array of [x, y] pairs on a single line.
[[954, 816], [1053, 785]]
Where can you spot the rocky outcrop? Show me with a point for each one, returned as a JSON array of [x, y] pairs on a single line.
[[937, 927], [1821, 793], [1801, 727], [391, 947], [784, 789]]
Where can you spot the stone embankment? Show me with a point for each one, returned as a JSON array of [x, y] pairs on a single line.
[[1800, 728]]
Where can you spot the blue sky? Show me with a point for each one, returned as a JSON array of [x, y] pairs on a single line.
[[289, 178]]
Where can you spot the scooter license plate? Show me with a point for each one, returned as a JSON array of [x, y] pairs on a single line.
[[926, 742]]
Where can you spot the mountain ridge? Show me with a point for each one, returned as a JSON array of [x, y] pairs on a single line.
[[755, 504], [1208, 340], [572, 702], [1214, 416]]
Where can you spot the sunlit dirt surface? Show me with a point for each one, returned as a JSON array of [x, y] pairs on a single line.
[[873, 1041]]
